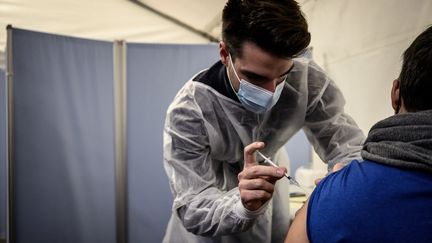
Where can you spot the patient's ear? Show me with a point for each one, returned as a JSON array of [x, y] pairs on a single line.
[[395, 96]]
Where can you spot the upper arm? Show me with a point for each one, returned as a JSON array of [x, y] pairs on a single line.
[[297, 232]]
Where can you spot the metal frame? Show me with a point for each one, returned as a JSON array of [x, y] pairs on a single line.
[[10, 224], [176, 21], [120, 106]]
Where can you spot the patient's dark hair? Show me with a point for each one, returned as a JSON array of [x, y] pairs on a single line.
[[276, 26], [416, 74]]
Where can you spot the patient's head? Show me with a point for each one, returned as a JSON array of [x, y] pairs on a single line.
[[416, 76]]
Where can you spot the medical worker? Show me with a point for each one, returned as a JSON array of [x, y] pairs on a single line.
[[256, 97]]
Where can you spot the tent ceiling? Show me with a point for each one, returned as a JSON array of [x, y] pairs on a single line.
[[114, 19], [201, 15]]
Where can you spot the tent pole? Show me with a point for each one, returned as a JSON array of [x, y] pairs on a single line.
[[120, 109], [10, 224], [176, 21]]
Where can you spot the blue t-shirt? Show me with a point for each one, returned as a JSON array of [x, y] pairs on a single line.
[[371, 202]]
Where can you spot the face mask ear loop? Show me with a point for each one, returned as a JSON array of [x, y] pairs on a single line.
[[232, 65], [229, 78]]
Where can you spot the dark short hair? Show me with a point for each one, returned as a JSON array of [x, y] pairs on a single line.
[[276, 26], [416, 74]]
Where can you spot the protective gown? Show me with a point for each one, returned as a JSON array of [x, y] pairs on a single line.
[[204, 137]]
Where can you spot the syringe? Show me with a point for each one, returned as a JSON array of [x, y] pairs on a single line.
[[268, 160]]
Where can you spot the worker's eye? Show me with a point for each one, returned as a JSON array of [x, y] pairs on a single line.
[[255, 79]]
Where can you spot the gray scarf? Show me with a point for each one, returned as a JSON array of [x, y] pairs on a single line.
[[403, 140]]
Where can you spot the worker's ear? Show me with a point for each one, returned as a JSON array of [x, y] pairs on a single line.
[[223, 52], [395, 96]]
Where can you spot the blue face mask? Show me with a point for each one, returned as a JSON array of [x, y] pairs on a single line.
[[255, 98]]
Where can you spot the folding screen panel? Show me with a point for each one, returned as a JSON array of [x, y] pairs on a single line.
[[155, 73], [63, 139]]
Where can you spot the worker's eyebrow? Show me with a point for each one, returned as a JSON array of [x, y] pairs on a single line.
[[289, 70], [256, 76], [253, 75]]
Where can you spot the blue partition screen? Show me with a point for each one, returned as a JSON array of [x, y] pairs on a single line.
[[64, 136], [155, 73], [63, 147]]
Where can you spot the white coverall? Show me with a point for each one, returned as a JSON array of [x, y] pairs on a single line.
[[204, 137]]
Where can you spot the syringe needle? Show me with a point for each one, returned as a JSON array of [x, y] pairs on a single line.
[[268, 160]]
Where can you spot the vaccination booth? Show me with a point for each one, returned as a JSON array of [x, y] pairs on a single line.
[[81, 126]]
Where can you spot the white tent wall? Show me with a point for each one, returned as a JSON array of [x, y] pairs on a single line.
[[96, 19], [360, 45], [358, 42]]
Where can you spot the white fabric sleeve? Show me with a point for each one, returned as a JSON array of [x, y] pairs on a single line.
[[333, 133], [245, 213], [197, 182]]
